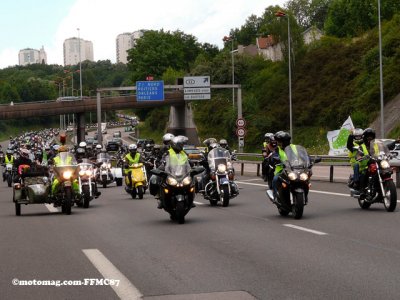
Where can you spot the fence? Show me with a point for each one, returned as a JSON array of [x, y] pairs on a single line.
[[326, 160]]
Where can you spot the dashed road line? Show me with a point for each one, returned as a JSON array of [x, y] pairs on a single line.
[[125, 289], [305, 229]]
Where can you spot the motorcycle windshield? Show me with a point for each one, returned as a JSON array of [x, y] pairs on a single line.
[[177, 169], [218, 156], [378, 148], [103, 157], [297, 157], [66, 159]]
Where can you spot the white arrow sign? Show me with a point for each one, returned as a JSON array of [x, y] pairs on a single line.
[[196, 81]]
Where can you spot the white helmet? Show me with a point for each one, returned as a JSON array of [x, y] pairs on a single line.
[[82, 144], [167, 138], [132, 147], [98, 147]]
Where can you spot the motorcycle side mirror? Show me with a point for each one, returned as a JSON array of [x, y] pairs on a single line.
[[196, 170], [317, 159]]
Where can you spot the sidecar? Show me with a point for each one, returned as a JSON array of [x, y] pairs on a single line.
[[32, 188]]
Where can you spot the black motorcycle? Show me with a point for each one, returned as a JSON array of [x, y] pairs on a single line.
[[177, 188], [294, 182], [378, 184], [221, 187]]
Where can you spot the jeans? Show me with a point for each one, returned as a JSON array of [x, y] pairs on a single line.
[[275, 184]]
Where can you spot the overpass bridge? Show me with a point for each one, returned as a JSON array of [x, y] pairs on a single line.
[[180, 118]]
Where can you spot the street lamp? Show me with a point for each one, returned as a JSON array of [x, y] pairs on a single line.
[[230, 39], [282, 14], [380, 70]]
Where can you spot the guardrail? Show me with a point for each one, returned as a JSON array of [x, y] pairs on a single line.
[[326, 160]]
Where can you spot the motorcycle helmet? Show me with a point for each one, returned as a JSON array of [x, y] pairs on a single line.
[[268, 136], [213, 146], [167, 138], [177, 144], [62, 148], [283, 138], [9, 152], [82, 144], [223, 143], [132, 148], [80, 151], [358, 135], [63, 138], [98, 147], [368, 135]]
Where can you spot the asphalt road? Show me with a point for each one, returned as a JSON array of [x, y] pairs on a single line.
[[244, 251]]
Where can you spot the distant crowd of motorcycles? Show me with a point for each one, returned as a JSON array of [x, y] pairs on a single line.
[[41, 167]]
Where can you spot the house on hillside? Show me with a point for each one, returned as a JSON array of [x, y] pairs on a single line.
[[272, 50]]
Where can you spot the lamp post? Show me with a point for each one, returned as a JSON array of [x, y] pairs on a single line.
[[381, 71], [282, 14], [230, 39]]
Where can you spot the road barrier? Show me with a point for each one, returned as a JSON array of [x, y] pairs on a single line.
[[326, 160]]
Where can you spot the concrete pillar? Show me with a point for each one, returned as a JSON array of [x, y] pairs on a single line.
[[80, 127], [181, 123]]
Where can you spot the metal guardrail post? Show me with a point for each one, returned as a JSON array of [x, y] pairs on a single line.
[[258, 170], [331, 174], [242, 169]]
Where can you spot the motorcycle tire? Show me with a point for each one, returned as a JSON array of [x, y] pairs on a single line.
[[283, 212], [390, 197], [180, 212], [213, 202], [9, 180], [17, 209], [225, 199], [104, 180], [133, 193], [118, 181], [364, 204], [66, 206], [140, 192], [298, 205], [86, 196]]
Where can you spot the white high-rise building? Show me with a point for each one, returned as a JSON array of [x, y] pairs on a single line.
[[71, 51], [126, 41], [32, 56]]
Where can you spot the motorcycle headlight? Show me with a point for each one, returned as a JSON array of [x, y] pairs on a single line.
[[221, 168], [187, 180], [384, 164], [292, 176], [303, 176], [229, 165], [67, 175], [89, 172], [82, 172], [108, 165], [171, 181]]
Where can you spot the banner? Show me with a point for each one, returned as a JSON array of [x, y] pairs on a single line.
[[338, 138]]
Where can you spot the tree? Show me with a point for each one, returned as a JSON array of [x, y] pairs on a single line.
[[309, 12]]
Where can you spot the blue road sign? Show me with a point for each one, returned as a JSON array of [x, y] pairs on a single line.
[[149, 90]]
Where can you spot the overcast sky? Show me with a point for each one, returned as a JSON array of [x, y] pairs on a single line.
[[33, 24]]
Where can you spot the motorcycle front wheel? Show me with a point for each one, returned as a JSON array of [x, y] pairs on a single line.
[[9, 180], [390, 197], [225, 199], [66, 206], [180, 212], [104, 180], [140, 192], [298, 205], [86, 196]]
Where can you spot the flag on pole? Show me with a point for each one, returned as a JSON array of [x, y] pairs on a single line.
[[280, 13], [338, 138]]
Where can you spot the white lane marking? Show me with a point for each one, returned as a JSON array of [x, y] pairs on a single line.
[[305, 229], [311, 191], [51, 208], [125, 289], [256, 179], [198, 203]]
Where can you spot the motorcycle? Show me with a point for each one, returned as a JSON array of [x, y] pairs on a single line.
[[221, 187], [9, 173], [294, 182], [138, 183], [177, 189], [31, 187], [86, 183], [66, 174], [104, 175], [379, 186]]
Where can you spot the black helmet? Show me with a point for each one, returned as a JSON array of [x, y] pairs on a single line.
[[177, 144], [283, 137], [368, 135], [358, 135], [268, 136]]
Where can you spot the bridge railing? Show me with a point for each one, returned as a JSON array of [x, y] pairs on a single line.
[[326, 160]]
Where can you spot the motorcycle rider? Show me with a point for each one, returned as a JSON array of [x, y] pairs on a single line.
[[22, 163], [8, 159], [267, 149], [356, 146], [57, 162], [166, 143], [133, 157], [283, 140]]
